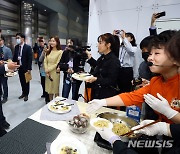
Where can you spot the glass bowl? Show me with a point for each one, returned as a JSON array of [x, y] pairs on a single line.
[[79, 124]]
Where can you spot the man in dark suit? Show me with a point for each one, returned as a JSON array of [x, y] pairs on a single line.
[[3, 123], [23, 56]]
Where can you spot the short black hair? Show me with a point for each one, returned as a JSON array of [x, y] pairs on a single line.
[[145, 42], [2, 38], [161, 40], [21, 34]]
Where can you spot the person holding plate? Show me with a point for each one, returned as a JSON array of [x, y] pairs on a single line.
[[105, 69]]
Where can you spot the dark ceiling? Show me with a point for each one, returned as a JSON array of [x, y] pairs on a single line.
[[84, 3]]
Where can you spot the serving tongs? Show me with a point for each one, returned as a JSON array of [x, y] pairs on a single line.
[[130, 132]]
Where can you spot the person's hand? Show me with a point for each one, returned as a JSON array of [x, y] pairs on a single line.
[[12, 65], [92, 79], [70, 71], [160, 128], [29, 71], [88, 54], [47, 74], [153, 19], [123, 34], [160, 105], [58, 70], [108, 135], [95, 104]]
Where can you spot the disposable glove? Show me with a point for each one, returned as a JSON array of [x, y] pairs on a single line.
[[95, 104], [160, 128], [161, 105], [108, 135]]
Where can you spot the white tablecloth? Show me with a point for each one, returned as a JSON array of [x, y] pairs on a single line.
[[86, 138]]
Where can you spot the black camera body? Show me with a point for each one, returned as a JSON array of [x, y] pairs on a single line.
[[80, 51], [161, 14], [137, 81]]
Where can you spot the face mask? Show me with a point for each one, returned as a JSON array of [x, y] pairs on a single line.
[[145, 55], [18, 41]]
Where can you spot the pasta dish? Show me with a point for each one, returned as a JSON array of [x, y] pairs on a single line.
[[101, 123], [120, 129]]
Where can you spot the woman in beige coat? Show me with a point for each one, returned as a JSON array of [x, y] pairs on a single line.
[[51, 60]]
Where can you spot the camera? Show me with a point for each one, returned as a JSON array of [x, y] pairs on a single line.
[[80, 53], [119, 32], [137, 81], [161, 14]]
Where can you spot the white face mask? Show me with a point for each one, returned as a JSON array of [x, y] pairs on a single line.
[[18, 41]]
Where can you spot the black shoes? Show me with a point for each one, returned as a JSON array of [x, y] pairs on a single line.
[[4, 100], [43, 96], [5, 125], [2, 132], [25, 98], [22, 96]]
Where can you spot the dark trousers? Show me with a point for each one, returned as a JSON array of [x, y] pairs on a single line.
[[67, 84], [125, 78], [124, 81], [4, 86], [43, 87], [2, 118], [24, 85]]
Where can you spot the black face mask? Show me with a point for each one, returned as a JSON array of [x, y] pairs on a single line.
[[145, 55]]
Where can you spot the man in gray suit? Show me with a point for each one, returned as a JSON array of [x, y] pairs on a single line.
[[5, 55]]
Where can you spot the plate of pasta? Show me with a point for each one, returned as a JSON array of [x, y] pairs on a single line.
[[11, 74], [100, 123], [82, 76], [67, 145], [59, 107]]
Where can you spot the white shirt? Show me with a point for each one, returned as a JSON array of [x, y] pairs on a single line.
[[20, 54], [126, 54]]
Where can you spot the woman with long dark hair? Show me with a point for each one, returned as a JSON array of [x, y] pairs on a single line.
[[53, 56], [106, 68]]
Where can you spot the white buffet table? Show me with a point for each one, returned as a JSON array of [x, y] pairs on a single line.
[[86, 138]]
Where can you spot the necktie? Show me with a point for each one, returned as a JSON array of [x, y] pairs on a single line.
[[19, 53]]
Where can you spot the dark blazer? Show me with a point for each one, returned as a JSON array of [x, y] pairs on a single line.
[[2, 70], [63, 64], [26, 58], [106, 69], [120, 147]]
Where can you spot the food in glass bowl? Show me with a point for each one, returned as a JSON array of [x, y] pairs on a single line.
[[79, 124]]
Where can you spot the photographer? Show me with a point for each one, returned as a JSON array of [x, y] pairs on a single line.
[[72, 61]]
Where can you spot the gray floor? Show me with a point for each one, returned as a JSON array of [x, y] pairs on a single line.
[[16, 110]]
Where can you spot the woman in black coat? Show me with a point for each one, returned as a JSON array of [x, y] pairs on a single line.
[[105, 69]]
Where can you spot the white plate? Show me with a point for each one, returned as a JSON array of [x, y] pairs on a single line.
[[69, 141], [58, 109], [92, 121], [11, 74], [82, 76]]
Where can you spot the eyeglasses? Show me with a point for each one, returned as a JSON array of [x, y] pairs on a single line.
[[17, 37]]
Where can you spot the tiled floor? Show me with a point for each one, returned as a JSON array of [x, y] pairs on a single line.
[[16, 110]]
